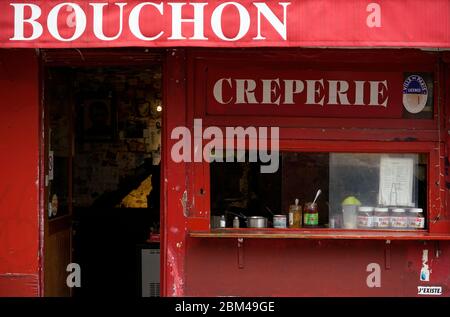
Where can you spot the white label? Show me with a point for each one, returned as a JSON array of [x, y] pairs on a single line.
[[429, 290], [365, 221], [291, 219], [399, 222], [381, 222], [416, 222]]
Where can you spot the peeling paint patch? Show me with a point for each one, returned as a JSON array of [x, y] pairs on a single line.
[[178, 284]]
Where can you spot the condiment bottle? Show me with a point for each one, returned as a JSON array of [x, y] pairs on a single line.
[[310, 215], [236, 222], [222, 223], [295, 215]]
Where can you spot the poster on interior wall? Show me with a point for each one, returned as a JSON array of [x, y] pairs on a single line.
[[98, 120], [396, 181]]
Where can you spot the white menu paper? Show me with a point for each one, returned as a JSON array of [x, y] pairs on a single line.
[[396, 181]]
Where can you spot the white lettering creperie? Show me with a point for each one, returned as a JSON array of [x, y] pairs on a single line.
[[278, 91], [188, 21]]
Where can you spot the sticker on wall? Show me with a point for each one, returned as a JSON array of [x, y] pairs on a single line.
[[425, 271], [429, 290], [415, 93]]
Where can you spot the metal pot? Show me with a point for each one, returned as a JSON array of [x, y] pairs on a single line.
[[256, 222]]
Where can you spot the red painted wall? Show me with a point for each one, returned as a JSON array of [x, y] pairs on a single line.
[[19, 161], [311, 268]]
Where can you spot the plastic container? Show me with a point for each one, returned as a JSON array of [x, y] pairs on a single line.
[[399, 219], [349, 213], [381, 218], [279, 221], [416, 219], [365, 217]]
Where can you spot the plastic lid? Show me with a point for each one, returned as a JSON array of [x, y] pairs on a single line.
[[416, 210], [365, 209], [381, 209], [398, 210], [351, 201]]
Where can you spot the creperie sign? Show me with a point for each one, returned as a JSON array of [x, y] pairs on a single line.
[[277, 89], [199, 21]]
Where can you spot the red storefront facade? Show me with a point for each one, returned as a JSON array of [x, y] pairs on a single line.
[[198, 260]]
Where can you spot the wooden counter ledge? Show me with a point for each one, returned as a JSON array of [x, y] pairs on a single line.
[[271, 233]]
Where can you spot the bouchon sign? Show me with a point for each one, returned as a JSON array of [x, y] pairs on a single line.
[[242, 23]]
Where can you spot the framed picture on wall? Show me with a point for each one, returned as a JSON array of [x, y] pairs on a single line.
[[98, 120]]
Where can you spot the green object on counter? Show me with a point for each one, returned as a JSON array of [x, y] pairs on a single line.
[[351, 200]]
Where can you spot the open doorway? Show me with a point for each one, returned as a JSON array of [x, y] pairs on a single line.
[[103, 139]]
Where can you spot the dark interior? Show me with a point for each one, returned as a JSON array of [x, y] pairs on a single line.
[[239, 189], [109, 182]]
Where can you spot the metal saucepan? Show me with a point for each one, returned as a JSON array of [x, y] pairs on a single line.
[[256, 222]]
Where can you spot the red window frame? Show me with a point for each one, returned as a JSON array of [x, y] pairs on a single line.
[[328, 134]]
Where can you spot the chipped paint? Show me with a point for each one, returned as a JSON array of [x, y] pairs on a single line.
[[178, 282], [184, 202]]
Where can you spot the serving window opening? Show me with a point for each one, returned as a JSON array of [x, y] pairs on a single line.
[[359, 191]]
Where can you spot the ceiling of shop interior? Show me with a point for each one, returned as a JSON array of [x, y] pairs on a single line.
[[101, 57]]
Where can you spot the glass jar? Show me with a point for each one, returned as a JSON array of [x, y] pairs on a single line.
[[365, 217], [416, 220], [381, 218], [295, 215], [399, 219], [310, 215]]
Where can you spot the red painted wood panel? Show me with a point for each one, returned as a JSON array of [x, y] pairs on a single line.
[[19, 285], [281, 267], [19, 159]]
